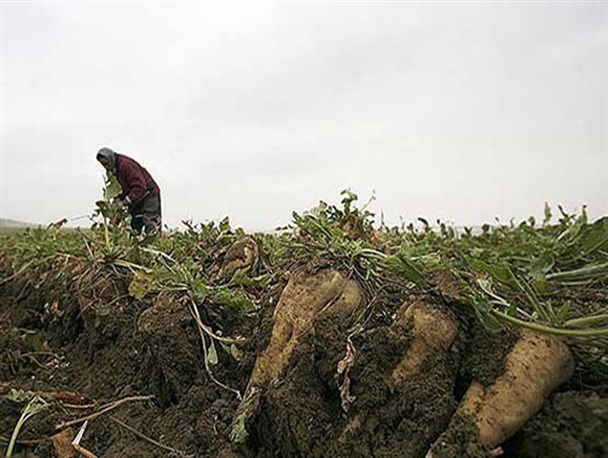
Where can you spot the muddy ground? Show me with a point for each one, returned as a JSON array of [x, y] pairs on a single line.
[[109, 347]]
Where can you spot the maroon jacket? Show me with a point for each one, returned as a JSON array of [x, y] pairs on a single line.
[[135, 181]]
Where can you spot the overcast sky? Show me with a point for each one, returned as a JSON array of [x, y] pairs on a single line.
[[458, 111]]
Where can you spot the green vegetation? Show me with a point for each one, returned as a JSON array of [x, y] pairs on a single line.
[[550, 276]]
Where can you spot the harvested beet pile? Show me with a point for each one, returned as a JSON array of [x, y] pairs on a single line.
[[329, 339]]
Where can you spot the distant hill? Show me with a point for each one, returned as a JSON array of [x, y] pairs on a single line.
[[12, 224]]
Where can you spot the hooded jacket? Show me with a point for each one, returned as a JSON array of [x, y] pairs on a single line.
[[135, 181]]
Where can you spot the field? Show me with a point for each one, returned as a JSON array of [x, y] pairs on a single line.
[[334, 336]]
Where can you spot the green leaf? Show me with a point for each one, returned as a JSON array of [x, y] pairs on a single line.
[[225, 225], [112, 187], [600, 367], [240, 278], [199, 291], [499, 272], [540, 286], [511, 309], [587, 273], [483, 311], [548, 214], [141, 284], [230, 298], [33, 341], [595, 237], [491, 323], [563, 312], [406, 268], [349, 198], [541, 266]]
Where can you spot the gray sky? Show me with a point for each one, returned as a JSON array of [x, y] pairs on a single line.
[[458, 111]]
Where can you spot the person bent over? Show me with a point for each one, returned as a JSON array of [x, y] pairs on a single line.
[[140, 193]]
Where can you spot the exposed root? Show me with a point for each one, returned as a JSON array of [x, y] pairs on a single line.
[[305, 298], [434, 331], [536, 365], [243, 255]]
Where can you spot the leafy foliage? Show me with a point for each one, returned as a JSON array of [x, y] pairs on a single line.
[[552, 277]]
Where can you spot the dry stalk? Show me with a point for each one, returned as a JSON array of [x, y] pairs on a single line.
[[27, 442], [207, 330], [103, 410], [197, 318], [83, 451], [82, 407]]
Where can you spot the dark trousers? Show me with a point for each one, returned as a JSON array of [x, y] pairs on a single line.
[[146, 215]]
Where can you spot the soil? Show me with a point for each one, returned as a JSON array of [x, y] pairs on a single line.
[[570, 425], [104, 349], [137, 349]]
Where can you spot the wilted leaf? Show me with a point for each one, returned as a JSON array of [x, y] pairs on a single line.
[[212, 354], [19, 396], [54, 309], [68, 397], [62, 444], [232, 350], [246, 411], [235, 352], [342, 375]]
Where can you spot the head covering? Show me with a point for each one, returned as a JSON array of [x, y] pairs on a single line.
[[108, 154]]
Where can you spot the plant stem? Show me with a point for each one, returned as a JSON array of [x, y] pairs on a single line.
[[551, 330], [585, 320]]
